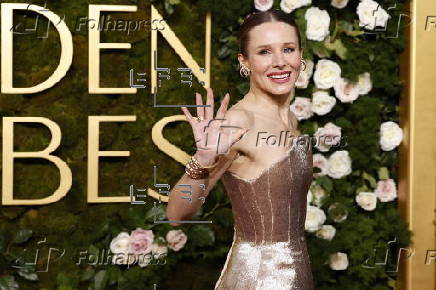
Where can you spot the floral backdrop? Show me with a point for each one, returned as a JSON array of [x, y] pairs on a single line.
[[347, 96]]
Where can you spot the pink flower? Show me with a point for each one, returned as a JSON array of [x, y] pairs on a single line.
[[302, 108], [321, 162], [263, 5], [176, 239], [346, 91], [141, 241], [386, 190]]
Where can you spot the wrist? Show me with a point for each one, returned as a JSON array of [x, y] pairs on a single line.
[[206, 160]]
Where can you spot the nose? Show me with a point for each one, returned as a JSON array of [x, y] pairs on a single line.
[[278, 59]]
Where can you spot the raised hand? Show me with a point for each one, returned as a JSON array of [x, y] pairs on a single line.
[[211, 138]]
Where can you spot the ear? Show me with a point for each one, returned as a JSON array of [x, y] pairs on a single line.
[[242, 59]]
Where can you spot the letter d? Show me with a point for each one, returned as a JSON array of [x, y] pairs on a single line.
[[66, 58]]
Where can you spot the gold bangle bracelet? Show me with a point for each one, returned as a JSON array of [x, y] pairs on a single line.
[[195, 171], [207, 167]]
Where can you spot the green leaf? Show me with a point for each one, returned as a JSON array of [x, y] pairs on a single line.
[[354, 33], [8, 283], [88, 274], [383, 173], [22, 236], [362, 188], [224, 52], [336, 46], [100, 280], [28, 274], [370, 179], [325, 182], [168, 7], [174, 2], [202, 235], [224, 216], [159, 211]]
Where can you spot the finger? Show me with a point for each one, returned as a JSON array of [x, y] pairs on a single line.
[[209, 101], [200, 110], [223, 107], [188, 115]]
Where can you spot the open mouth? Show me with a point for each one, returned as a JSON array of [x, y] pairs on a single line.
[[281, 78]]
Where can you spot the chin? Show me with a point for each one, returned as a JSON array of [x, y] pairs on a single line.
[[281, 91]]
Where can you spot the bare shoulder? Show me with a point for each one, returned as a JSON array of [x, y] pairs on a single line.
[[238, 116]]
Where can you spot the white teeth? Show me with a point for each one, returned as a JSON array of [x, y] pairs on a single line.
[[280, 76]]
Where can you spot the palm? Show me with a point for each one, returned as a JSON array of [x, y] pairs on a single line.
[[212, 134]]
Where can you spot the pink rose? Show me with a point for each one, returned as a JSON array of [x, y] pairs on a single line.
[[263, 5], [386, 190], [302, 108], [327, 136], [141, 241], [346, 91], [176, 239], [321, 162]]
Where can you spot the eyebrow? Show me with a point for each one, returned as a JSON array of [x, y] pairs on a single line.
[[267, 45]]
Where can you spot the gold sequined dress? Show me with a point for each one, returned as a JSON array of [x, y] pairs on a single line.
[[269, 249]]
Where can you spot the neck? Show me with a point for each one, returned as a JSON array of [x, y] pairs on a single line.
[[269, 103]]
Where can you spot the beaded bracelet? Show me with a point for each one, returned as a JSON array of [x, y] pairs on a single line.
[[196, 171]]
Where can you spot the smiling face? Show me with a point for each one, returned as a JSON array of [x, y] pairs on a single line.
[[274, 57]]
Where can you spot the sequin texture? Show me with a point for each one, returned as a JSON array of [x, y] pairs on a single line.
[[269, 249]]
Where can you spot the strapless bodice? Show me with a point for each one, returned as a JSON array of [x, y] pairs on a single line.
[[272, 206]]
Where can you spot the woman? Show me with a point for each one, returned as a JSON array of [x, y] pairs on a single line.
[[267, 181]]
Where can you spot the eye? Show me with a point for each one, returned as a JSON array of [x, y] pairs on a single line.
[[291, 49], [262, 51]]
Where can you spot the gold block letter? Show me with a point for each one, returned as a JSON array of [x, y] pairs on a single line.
[[94, 154], [9, 155], [66, 39], [95, 46]]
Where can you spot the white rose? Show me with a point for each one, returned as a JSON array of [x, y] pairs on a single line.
[[319, 195], [144, 260], [120, 244], [346, 91], [309, 197], [339, 3], [120, 247], [386, 190], [322, 102], [326, 74], [338, 212], [317, 23], [263, 5], [338, 261], [158, 251], [365, 83], [371, 14], [302, 108], [326, 232], [327, 136], [305, 75], [339, 164], [315, 217], [391, 135], [321, 162], [290, 5], [366, 200]]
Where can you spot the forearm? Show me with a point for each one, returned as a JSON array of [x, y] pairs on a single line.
[[186, 198]]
